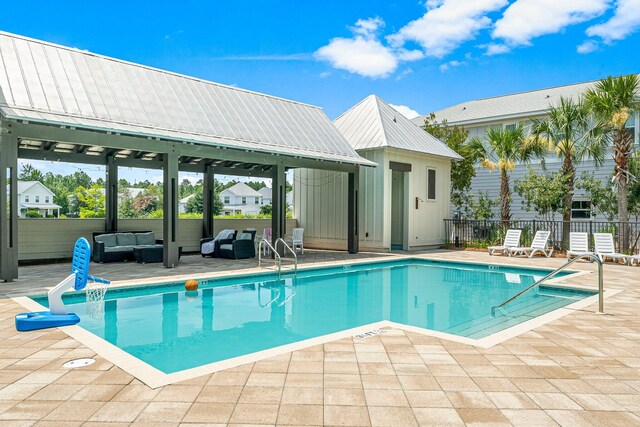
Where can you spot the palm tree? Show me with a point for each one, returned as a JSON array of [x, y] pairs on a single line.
[[501, 149], [568, 130], [613, 101]]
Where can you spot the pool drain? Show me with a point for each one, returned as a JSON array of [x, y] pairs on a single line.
[[79, 363]]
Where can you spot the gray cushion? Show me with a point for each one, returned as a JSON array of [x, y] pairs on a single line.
[[119, 249], [244, 236], [143, 239], [226, 247], [148, 246], [126, 239], [109, 240]]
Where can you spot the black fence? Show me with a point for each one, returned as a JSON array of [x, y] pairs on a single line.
[[482, 233]]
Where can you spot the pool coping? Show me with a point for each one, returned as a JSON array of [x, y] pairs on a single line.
[[155, 378]]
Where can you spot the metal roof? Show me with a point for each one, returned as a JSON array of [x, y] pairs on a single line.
[[532, 103], [43, 82], [372, 123]]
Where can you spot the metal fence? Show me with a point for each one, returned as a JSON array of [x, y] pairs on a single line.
[[483, 233]]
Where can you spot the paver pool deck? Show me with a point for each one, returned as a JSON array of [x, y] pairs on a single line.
[[583, 369]]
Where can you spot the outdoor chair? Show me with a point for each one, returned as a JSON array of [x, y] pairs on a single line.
[[578, 244], [605, 248], [297, 239], [511, 240], [539, 244], [211, 246], [634, 258], [242, 247], [267, 234]]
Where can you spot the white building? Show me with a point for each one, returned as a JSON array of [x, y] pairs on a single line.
[[265, 192], [241, 199], [182, 204], [33, 195], [509, 110], [402, 201]]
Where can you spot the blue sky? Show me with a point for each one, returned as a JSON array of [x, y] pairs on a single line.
[[423, 55]]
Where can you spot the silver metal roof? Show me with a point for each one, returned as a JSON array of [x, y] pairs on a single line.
[[372, 123], [532, 103], [43, 82]]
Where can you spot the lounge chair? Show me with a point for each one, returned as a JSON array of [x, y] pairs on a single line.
[[578, 244], [242, 247], [297, 239], [539, 244], [605, 248], [511, 240], [634, 258], [211, 246]]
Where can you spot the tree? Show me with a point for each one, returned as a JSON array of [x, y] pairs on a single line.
[[126, 208], [543, 192], [482, 208], [612, 102], [568, 131], [501, 149], [185, 188], [462, 172], [90, 202], [196, 203], [266, 210], [29, 173], [603, 197]]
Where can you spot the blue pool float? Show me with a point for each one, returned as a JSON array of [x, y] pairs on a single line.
[[57, 314]]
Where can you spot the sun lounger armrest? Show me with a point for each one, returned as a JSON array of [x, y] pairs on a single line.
[[205, 240]]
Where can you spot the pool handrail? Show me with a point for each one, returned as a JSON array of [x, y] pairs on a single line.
[[593, 257], [288, 248], [277, 259]]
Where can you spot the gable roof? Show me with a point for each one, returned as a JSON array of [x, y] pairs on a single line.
[[24, 186], [47, 83], [372, 123], [516, 105], [243, 190], [266, 192]]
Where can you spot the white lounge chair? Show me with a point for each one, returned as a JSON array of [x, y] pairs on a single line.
[[605, 248], [297, 239], [511, 240], [578, 244], [539, 244], [634, 258]]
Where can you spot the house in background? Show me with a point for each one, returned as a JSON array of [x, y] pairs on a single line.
[[402, 201], [265, 192], [33, 195], [240, 199], [509, 110], [182, 204]]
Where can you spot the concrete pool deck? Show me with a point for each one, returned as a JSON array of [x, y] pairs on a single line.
[[582, 369]]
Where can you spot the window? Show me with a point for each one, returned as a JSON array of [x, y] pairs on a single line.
[[431, 184], [631, 127], [37, 199], [511, 126], [256, 201], [26, 199], [46, 199], [581, 209], [226, 199], [244, 200]]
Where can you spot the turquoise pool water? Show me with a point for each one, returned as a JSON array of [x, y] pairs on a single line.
[[231, 317]]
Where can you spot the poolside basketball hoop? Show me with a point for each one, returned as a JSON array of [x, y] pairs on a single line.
[[95, 291], [79, 279]]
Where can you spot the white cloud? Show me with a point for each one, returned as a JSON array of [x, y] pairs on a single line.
[[587, 46], [526, 19], [496, 49], [447, 24], [324, 74], [364, 53], [408, 112], [625, 21], [451, 64], [404, 73]]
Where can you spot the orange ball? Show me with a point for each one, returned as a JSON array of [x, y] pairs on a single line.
[[191, 285]]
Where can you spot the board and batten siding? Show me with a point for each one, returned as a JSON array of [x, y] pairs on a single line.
[[321, 202]]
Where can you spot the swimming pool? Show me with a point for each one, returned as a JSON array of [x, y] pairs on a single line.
[[230, 317]]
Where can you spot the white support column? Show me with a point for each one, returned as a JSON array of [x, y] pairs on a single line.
[[170, 209]]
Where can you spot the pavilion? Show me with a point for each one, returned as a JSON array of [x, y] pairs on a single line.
[[64, 104]]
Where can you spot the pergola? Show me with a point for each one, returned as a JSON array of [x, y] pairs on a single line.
[[63, 104]]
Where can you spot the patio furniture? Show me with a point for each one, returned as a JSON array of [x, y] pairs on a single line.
[[145, 255], [242, 247], [578, 244], [210, 246], [634, 258], [511, 240], [605, 248], [267, 235], [112, 247], [539, 244], [297, 239]]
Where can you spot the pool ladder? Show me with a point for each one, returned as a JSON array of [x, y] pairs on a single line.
[[277, 258], [592, 257]]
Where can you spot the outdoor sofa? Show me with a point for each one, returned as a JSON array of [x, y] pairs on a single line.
[[114, 247], [243, 246]]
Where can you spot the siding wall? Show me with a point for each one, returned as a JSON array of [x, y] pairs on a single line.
[[41, 239], [321, 202]]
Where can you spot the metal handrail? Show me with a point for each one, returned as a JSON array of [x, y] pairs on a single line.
[[556, 271], [295, 256], [277, 259], [270, 302]]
